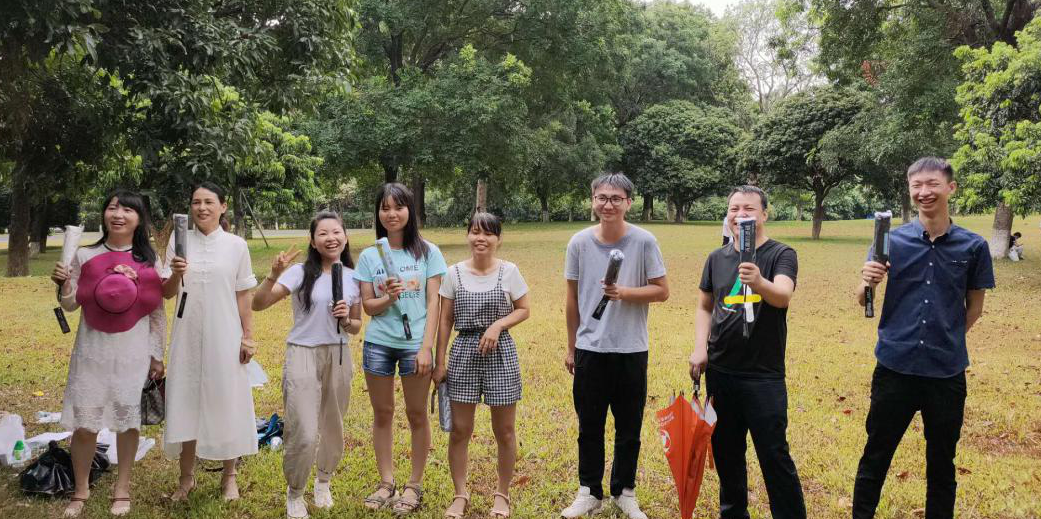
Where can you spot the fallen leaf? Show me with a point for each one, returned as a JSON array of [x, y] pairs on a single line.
[[847, 411], [963, 471], [903, 475]]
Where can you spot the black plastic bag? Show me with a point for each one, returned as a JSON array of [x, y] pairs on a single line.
[[51, 473]]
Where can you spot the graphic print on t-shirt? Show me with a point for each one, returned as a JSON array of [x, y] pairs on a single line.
[[409, 276]]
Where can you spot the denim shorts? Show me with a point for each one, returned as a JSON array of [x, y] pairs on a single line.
[[382, 360]]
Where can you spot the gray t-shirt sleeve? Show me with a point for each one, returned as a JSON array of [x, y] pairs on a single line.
[[652, 259], [571, 259]]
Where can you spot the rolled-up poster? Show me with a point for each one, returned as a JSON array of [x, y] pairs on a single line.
[[181, 251], [337, 295], [444, 406], [383, 248], [746, 249], [880, 253], [611, 277], [73, 233]]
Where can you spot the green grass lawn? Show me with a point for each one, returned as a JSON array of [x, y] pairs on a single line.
[[830, 358]]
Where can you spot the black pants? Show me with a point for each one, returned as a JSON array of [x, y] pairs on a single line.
[[758, 406], [617, 381], [895, 398]]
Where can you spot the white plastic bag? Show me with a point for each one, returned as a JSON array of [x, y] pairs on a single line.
[[11, 430], [143, 446], [255, 374]]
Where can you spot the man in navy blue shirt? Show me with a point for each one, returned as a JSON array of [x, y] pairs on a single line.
[[938, 274]]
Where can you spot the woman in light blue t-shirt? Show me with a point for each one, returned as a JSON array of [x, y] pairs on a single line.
[[399, 339]]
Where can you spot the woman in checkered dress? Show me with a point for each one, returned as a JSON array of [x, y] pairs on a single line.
[[481, 298]]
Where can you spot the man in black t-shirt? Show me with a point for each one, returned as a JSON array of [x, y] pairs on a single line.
[[745, 376]]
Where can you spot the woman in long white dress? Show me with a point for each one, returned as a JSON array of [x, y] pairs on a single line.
[[113, 353], [209, 404]]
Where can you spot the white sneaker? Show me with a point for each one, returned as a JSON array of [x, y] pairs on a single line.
[[584, 504], [296, 508], [628, 505], [323, 495]]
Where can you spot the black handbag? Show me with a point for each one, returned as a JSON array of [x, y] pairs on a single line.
[[51, 473], [153, 402]]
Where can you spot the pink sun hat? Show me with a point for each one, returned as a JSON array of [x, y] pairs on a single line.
[[116, 292]]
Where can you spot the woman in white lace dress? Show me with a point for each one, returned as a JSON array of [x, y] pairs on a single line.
[[119, 342], [209, 404]]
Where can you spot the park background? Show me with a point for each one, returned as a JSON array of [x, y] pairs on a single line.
[[514, 106]]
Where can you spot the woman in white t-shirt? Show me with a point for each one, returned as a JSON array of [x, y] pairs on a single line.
[[482, 297], [316, 378]]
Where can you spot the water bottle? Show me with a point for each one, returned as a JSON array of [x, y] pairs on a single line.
[[20, 454]]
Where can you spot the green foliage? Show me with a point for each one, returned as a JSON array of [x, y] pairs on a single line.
[[673, 50], [1000, 155], [810, 141], [681, 152]]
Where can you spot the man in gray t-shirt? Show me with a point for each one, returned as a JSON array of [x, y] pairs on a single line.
[[608, 356], [623, 326]]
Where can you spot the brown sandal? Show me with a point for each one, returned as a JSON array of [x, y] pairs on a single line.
[[458, 515], [375, 501], [403, 505], [229, 487], [119, 511], [69, 512], [501, 514], [182, 492]]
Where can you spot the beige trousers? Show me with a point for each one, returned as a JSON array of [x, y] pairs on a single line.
[[316, 389]]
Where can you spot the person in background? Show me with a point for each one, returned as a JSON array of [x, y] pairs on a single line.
[[209, 402], [1015, 247], [483, 297], [388, 351], [938, 277], [119, 342], [608, 356], [316, 376]]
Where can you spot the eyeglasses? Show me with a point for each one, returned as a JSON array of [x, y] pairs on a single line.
[[615, 200]]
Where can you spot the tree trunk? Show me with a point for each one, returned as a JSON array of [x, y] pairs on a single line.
[[238, 212], [419, 191], [648, 208], [1001, 232], [798, 211], [905, 208], [481, 206], [544, 202], [671, 210], [592, 215], [681, 212], [390, 169], [40, 227], [18, 242], [818, 214]]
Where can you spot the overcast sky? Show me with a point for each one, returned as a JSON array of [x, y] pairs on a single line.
[[717, 6]]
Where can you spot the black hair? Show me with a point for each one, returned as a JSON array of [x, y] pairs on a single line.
[[618, 180], [749, 190], [141, 250], [222, 197], [485, 222], [1017, 234], [313, 264], [412, 241], [926, 164]]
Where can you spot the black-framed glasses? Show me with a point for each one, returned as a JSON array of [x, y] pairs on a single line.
[[615, 200]]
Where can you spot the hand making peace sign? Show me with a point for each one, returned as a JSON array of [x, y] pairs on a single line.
[[283, 261]]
